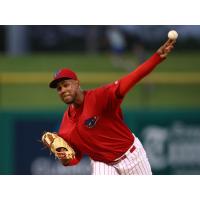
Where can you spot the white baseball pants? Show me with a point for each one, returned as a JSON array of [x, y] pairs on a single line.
[[135, 163]]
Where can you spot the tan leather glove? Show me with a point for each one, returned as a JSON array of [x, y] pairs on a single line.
[[58, 146]]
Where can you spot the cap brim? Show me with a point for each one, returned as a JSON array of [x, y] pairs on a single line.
[[53, 84]]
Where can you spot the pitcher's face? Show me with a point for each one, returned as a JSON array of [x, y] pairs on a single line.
[[67, 90]]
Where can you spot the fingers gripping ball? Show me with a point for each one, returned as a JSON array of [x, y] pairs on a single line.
[[57, 145]]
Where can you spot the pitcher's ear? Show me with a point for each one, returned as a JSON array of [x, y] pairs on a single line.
[[78, 82]]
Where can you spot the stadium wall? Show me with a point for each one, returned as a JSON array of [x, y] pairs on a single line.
[[170, 137]]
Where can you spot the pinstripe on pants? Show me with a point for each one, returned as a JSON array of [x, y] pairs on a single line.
[[136, 163]]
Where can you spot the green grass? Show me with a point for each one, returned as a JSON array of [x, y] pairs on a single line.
[[178, 61], [51, 62], [181, 62], [155, 96], [36, 96], [164, 96]]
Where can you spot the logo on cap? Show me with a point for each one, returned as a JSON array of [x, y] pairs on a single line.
[[57, 73]]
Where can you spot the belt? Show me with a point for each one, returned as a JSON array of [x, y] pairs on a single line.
[[131, 150]]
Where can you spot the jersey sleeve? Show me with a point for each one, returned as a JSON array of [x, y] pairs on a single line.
[[76, 160], [78, 154], [112, 95], [107, 98], [128, 81]]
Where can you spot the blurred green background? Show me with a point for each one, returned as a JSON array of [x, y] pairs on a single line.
[[179, 87]]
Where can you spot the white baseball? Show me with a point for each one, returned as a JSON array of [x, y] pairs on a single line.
[[173, 35]]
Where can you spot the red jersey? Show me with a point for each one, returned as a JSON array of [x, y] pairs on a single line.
[[97, 128]]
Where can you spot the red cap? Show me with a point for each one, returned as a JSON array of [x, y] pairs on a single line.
[[62, 74]]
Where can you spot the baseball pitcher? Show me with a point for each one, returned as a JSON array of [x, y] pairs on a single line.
[[93, 122]]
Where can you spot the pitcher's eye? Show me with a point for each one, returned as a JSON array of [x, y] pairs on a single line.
[[66, 85], [58, 88]]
